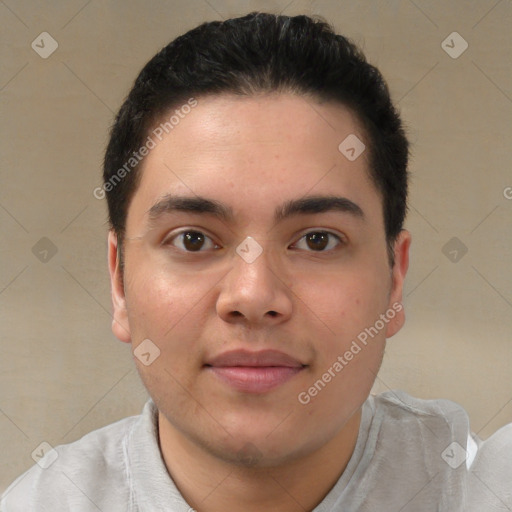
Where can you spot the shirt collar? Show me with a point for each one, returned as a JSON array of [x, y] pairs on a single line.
[[152, 488]]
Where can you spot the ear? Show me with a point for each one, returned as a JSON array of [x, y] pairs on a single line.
[[401, 251], [120, 325]]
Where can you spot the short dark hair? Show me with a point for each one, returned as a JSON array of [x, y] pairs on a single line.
[[253, 54]]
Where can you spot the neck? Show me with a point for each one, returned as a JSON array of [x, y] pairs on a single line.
[[210, 484]]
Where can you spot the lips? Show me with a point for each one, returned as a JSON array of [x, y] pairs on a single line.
[[262, 358], [254, 372]]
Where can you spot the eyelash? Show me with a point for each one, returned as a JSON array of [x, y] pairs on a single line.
[[168, 241]]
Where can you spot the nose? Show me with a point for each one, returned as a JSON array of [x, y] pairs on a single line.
[[257, 292]]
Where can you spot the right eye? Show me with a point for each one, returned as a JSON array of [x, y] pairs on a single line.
[[190, 240]]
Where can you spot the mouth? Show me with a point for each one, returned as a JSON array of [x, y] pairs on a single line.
[[254, 372]]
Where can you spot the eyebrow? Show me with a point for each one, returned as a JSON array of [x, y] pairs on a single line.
[[303, 206]]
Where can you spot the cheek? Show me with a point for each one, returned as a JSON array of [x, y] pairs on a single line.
[[351, 302], [349, 308], [165, 309], [167, 313]]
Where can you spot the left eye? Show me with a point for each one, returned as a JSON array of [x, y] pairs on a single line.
[[319, 240], [192, 241]]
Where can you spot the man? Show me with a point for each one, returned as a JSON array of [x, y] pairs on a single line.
[[256, 179]]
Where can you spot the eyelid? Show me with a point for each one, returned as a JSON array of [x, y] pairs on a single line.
[[342, 240], [168, 239], [340, 236]]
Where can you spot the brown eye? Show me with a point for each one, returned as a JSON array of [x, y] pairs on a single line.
[[317, 241], [191, 241]]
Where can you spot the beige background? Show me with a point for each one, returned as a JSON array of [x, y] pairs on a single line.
[[63, 373]]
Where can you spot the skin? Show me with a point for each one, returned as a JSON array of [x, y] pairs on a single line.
[[252, 154]]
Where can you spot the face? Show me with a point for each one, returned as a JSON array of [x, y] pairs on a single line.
[[269, 312]]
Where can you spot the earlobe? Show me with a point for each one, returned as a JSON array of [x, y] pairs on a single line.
[[120, 325], [401, 251]]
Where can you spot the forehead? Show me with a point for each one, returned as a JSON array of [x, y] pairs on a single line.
[[284, 119], [254, 153]]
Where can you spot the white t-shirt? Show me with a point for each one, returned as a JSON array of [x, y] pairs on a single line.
[[411, 455]]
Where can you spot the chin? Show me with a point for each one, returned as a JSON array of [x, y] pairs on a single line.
[[254, 454]]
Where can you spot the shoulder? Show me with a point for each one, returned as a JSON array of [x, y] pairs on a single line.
[[78, 474], [433, 420], [490, 478], [438, 435], [398, 402]]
